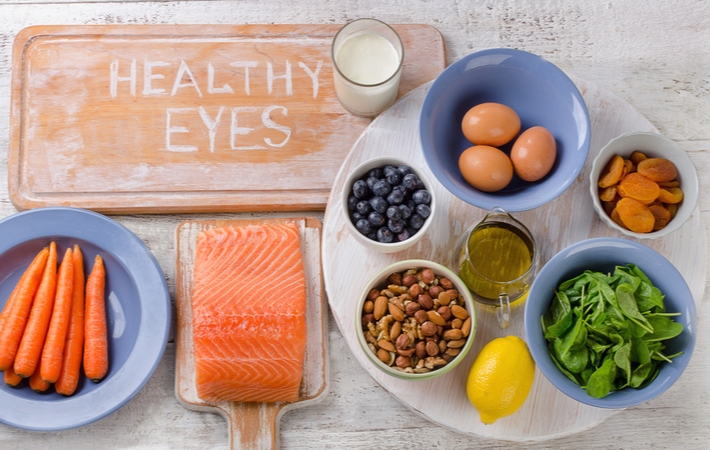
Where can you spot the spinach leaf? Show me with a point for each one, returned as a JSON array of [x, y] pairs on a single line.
[[607, 332], [600, 382]]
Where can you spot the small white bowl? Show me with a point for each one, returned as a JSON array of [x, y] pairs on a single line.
[[379, 280], [362, 170], [652, 145]]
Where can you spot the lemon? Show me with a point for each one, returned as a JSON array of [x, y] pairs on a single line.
[[500, 378]]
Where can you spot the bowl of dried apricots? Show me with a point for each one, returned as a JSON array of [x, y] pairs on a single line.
[[643, 185]]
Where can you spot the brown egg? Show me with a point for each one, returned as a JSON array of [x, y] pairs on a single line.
[[534, 153], [486, 168], [491, 124]]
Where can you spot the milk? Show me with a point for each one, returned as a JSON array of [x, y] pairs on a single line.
[[367, 57]]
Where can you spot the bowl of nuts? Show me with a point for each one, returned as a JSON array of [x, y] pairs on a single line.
[[643, 185], [416, 320], [388, 204]]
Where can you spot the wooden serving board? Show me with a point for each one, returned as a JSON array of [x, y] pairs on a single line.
[[547, 412], [252, 425], [185, 118]]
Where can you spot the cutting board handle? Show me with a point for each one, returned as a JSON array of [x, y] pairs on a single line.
[[253, 426]]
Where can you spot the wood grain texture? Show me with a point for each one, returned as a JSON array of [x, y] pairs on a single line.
[[185, 118], [252, 425], [651, 54]]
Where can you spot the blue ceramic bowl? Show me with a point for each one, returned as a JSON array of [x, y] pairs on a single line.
[[603, 254], [138, 313], [537, 90]]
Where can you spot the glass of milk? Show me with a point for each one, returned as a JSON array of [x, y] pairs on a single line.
[[367, 59]]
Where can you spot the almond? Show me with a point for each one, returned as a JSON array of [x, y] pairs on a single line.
[[380, 307]]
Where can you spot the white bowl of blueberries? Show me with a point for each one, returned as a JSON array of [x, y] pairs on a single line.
[[388, 204]]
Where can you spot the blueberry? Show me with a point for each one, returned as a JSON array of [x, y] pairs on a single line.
[[406, 211], [416, 221], [411, 204], [394, 177], [382, 188], [379, 204], [421, 196], [396, 226], [376, 219], [352, 202], [363, 226], [394, 213], [389, 168], [376, 172], [363, 207], [371, 182], [360, 189], [405, 169], [410, 181], [357, 216], [395, 197], [384, 235], [404, 235], [423, 210]]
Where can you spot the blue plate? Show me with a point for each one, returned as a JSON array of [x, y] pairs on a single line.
[[138, 311], [537, 90], [602, 255]]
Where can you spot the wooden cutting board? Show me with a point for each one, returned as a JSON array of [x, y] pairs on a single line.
[[252, 425], [185, 118]]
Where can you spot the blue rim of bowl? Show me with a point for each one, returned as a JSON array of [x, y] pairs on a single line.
[[535, 339], [509, 56], [54, 412]]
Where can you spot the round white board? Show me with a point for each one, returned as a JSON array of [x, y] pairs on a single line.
[[347, 266]]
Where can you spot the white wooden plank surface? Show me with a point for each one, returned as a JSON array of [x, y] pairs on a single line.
[[651, 54]]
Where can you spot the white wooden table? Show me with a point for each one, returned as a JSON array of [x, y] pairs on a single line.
[[651, 54]]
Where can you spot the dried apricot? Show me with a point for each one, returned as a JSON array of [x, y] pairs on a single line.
[[657, 169], [672, 208], [614, 214], [637, 186], [667, 184], [608, 194], [637, 156], [629, 167], [670, 195], [661, 214], [635, 215], [612, 172]]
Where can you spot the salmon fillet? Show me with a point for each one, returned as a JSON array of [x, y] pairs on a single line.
[[249, 313]]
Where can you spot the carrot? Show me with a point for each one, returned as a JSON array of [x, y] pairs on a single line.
[[16, 317], [53, 349], [11, 378], [74, 346], [95, 333], [36, 382], [32, 341]]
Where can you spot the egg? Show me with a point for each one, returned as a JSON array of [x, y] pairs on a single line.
[[491, 124], [534, 153], [486, 168]]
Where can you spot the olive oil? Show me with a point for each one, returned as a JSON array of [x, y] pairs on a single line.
[[499, 257]]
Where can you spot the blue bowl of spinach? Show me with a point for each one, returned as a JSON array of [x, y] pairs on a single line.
[[610, 322]]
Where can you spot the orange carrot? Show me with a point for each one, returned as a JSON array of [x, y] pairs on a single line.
[[16, 317], [74, 346], [32, 341], [36, 382], [95, 332], [53, 349], [11, 378]]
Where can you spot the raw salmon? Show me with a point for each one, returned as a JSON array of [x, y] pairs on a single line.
[[249, 313]]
